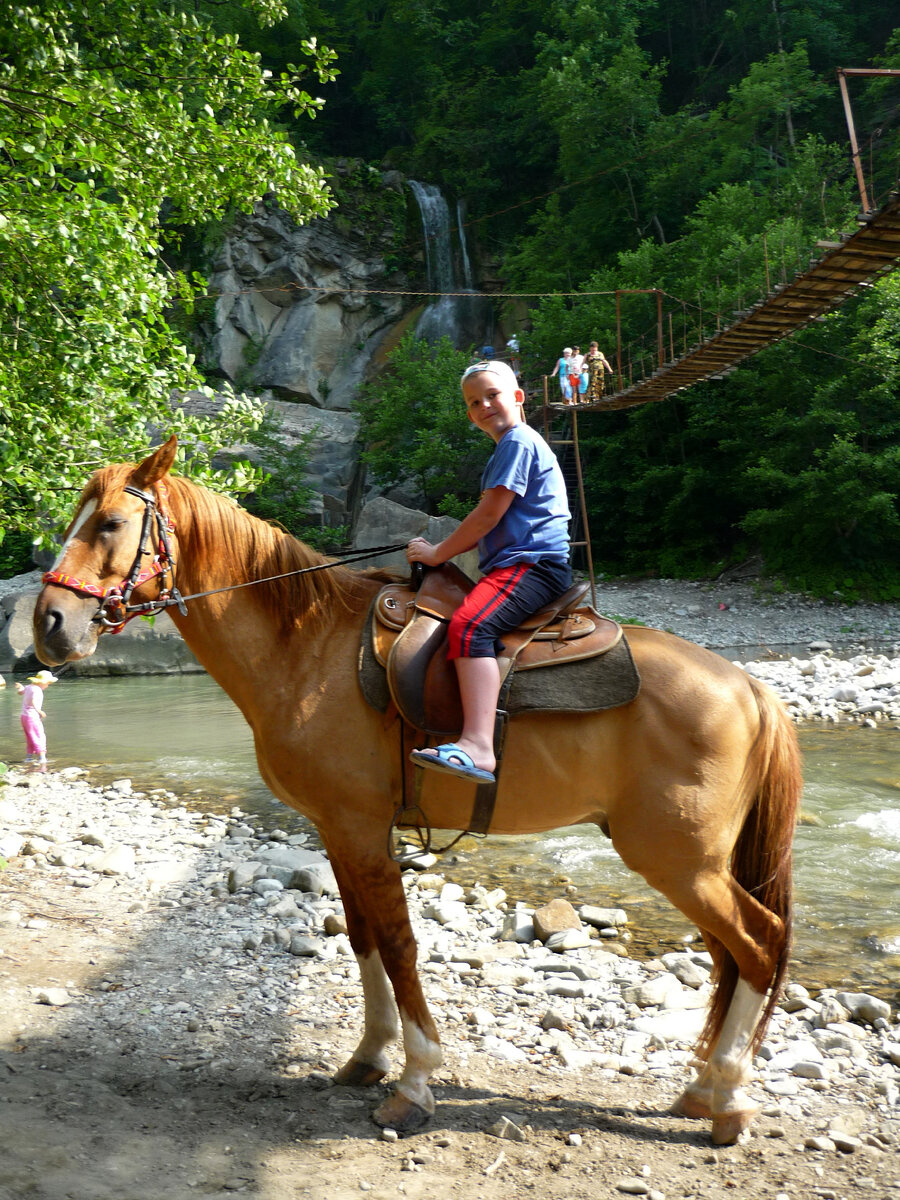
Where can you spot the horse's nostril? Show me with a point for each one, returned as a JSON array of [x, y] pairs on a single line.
[[52, 622]]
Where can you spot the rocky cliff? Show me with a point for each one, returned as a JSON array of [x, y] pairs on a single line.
[[304, 311]]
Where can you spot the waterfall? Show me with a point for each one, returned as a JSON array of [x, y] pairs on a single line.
[[436, 227], [464, 249], [465, 319]]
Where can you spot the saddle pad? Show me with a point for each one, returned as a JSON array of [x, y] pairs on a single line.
[[587, 685], [607, 681]]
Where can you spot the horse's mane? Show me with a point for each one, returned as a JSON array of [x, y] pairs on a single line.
[[215, 534]]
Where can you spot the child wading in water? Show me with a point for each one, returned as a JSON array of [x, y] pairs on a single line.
[[33, 717], [521, 528]]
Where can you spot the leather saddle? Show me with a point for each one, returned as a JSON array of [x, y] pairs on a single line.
[[409, 639]]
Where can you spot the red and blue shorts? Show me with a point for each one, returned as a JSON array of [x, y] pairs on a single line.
[[500, 601]]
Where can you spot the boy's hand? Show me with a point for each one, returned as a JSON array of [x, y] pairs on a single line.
[[421, 550]]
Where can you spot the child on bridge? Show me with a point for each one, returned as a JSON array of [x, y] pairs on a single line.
[[520, 526]]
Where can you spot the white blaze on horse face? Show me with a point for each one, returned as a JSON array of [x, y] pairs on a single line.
[[84, 515]]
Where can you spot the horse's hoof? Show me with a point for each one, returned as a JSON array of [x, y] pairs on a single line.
[[357, 1074], [400, 1113], [689, 1104], [727, 1127]]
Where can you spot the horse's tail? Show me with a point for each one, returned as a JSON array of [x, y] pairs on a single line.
[[761, 861]]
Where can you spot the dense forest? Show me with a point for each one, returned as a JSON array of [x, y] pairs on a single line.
[[689, 146], [696, 147]]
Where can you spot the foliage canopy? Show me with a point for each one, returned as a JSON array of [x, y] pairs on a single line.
[[624, 144], [118, 124]]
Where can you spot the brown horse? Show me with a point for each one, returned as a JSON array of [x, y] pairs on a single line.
[[696, 781]]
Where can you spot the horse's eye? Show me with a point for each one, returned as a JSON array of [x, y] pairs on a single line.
[[112, 524]]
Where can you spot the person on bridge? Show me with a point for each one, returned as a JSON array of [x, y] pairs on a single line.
[[520, 525], [575, 364], [598, 366], [561, 371]]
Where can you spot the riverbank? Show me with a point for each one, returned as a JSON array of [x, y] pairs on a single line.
[[831, 662], [177, 988], [725, 614]]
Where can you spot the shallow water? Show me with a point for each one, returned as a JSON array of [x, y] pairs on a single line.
[[183, 733]]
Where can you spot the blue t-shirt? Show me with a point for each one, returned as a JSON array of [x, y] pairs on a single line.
[[536, 524]]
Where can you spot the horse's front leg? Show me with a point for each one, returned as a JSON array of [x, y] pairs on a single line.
[[382, 939]]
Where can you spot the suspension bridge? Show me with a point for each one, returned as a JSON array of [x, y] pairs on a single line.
[[846, 266]]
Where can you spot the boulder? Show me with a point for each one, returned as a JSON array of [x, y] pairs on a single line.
[[383, 522], [555, 917], [333, 469], [140, 649]]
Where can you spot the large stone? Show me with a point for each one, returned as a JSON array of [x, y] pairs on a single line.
[[333, 471], [863, 1007], [382, 522], [555, 917], [140, 649], [309, 872], [653, 991], [603, 918], [672, 1026]]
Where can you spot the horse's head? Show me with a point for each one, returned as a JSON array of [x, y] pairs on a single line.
[[105, 557]]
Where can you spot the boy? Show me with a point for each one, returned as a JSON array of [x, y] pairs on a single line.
[[521, 528]]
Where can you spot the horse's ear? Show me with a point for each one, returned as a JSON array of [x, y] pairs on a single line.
[[153, 468]]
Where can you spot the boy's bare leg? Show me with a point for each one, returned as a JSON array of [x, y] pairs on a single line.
[[479, 686]]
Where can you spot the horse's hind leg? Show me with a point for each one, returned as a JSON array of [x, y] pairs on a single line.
[[382, 939], [754, 937], [718, 1091]]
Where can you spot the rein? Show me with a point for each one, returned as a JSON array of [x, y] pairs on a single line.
[[115, 611], [343, 557]]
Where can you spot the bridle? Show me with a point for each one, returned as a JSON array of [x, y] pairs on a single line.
[[115, 611]]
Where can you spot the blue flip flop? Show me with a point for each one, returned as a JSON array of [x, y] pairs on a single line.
[[442, 760]]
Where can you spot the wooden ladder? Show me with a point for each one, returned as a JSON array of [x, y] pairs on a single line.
[[570, 439]]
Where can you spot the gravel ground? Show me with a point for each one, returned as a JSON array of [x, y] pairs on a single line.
[[174, 1000], [745, 613], [170, 1015]]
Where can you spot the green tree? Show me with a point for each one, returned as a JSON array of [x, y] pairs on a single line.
[[415, 429], [118, 125], [824, 491]]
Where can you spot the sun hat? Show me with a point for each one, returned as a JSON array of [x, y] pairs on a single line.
[[567, 351], [42, 677]]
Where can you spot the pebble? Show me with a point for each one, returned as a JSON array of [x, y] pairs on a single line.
[[251, 919], [507, 1130], [633, 1186]]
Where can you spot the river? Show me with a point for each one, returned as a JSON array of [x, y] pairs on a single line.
[[184, 734]]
